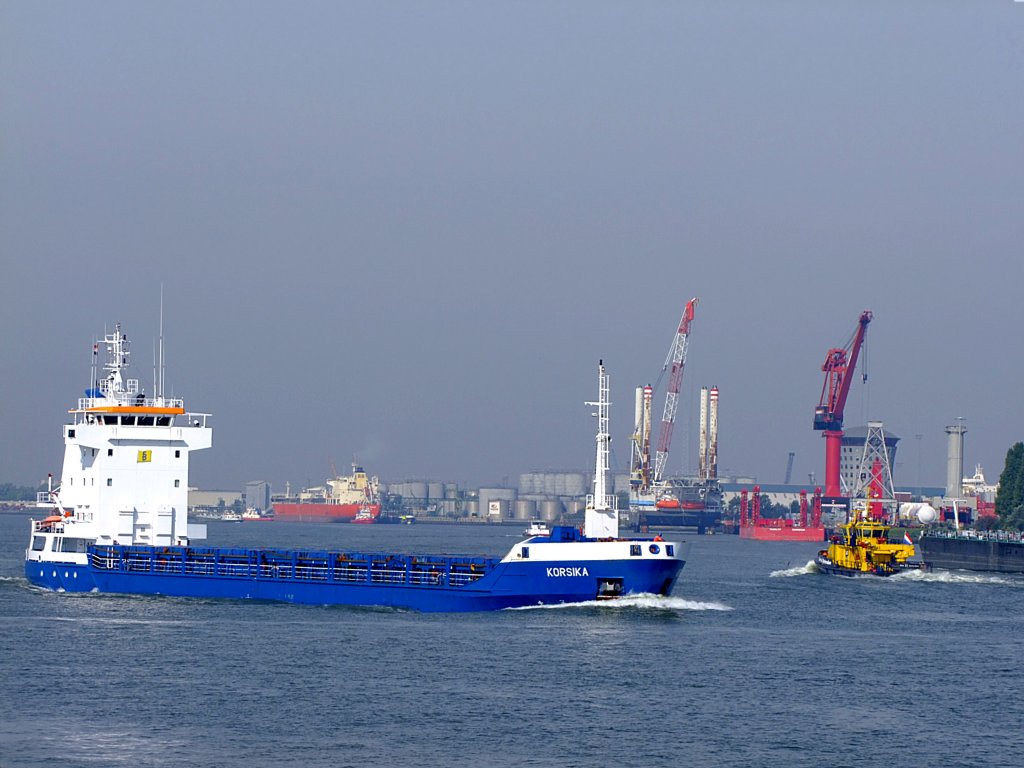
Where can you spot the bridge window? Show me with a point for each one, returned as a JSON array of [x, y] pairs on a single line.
[[163, 421], [38, 543], [670, 550], [634, 550], [526, 553], [128, 421]]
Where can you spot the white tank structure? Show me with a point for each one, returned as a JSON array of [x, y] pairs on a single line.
[[525, 509], [955, 458], [489, 495], [472, 507], [550, 510], [712, 454], [435, 491], [927, 515], [702, 439]]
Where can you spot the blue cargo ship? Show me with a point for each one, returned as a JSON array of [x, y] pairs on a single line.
[[118, 523]]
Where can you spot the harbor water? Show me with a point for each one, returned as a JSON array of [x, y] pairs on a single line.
[[754, 660]]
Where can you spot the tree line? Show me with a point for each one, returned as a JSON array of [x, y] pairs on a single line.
[[1010, 496]]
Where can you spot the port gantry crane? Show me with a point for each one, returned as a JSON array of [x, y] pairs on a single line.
[[677, 359], [828, 416]]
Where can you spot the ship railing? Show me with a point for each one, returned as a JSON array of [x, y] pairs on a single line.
[[302, 566], [128, 399]]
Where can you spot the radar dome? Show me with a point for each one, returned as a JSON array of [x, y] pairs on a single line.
[[927, 515]]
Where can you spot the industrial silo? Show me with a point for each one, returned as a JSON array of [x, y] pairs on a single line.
[[525, 509], [550, 510]]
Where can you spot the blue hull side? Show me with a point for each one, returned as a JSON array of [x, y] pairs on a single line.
[[507, 585]]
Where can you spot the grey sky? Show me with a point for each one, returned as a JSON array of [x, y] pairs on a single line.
[[408, 231]]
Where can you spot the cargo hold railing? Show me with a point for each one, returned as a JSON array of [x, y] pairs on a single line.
[[329, 567]]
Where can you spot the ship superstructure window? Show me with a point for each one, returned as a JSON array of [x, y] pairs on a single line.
[[634, 550], [177, 454], [526, 553], [670, 550], [163, 421], [110, 451], [38, 543], [177, 483], [110, 481], [71, 433], [110, 419], [145, 421], [128, 421]]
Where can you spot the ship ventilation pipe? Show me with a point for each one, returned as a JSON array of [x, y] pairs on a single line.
[[816, 509], [803, 509], [743, 508], [757, 504]]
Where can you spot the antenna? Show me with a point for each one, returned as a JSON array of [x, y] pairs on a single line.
[[160, 382]]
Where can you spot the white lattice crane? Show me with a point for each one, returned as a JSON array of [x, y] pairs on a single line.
[[677, 360]]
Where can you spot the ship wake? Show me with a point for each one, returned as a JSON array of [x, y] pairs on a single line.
[[800, 570], [633, 602], [961, 577]]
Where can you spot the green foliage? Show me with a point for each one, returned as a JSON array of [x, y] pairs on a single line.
[[12, 492], [1010, 497]]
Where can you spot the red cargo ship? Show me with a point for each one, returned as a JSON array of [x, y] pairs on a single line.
[[344, 499], [781, 528]]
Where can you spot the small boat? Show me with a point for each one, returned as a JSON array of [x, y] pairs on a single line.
[[232, 517], [537, 528], [364, 516], [251, 513], [863, 549]]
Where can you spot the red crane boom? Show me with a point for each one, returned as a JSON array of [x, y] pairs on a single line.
[[828, 416], [677, 357]]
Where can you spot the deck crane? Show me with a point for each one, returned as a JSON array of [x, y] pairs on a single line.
[[828, 416], [677, 359]]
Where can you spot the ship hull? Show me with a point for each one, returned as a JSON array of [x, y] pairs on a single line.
[[321, 513], [767, 533], [972, 554], [442, 584], [824, 565]]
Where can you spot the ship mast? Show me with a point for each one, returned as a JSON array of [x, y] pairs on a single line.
[[601, 518]]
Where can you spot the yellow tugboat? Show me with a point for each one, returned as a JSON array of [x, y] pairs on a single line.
[[863, 549]]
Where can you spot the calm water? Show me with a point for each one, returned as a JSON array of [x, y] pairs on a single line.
[[753, 661]]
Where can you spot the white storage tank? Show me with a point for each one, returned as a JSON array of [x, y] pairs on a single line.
[[525, 509], [550, 510]]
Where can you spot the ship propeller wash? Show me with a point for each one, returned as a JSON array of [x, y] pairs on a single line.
[[118, 523]]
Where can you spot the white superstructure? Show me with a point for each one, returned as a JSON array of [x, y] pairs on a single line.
[[125, 473], [601, 517]]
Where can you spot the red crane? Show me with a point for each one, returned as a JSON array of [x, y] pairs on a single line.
[[677, 358], [828, 416]]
